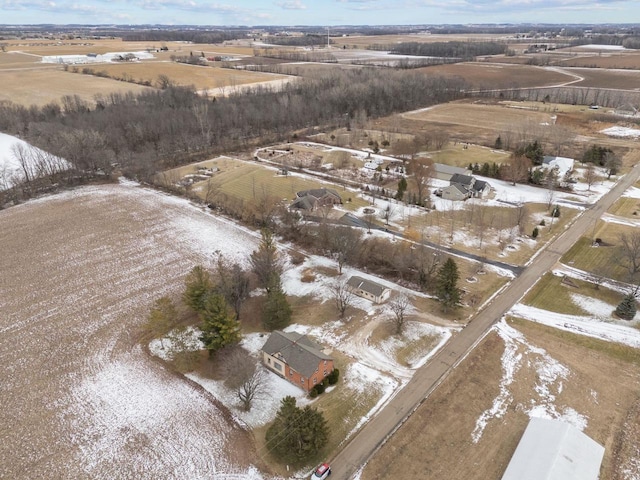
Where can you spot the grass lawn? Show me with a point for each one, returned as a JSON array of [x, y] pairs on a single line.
[[460, 156], [603, 260], [550, 293], [253, 182], [626, 207]]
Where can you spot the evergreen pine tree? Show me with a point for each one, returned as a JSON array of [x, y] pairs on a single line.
[[296, 434], [402, 187], [277, 311], [447, 290], [627, 307], [219, 327], [265, 261], [198, 285]]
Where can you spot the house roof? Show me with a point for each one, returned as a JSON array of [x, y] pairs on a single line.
[[480, 185], [563, 164], [456, 186], [366, 285], [554, 450], [297, 351], [305, 203], [448, 169], [319, 193], [466, 180]]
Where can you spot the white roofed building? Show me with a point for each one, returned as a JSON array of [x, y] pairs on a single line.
[[554, 450]]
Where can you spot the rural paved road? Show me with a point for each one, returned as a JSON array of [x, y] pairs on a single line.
[[365, 443]]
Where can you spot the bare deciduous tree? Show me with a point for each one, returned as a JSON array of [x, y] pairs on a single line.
[[630, 253], [517, 169], [244, 375], [342, 295], [590, 176], [398, 307], [422, 172], [345, 243]]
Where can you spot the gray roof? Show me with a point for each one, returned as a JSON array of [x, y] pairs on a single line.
[[462, 179], [305, 203], [554, 450], [442, 168], [480, 185], [366, 285], [319, 193], [297, 351], [458, 187]]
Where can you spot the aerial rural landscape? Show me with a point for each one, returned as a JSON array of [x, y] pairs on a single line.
[[288, 252]]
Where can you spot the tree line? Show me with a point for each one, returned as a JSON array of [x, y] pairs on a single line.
[[455, 49], [146, 133]]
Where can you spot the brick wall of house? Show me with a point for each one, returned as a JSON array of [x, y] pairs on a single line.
[[308, 383]]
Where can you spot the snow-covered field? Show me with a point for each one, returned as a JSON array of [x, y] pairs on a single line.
[[79, 396], [36, 162]]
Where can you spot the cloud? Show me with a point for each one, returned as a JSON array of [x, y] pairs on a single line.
[[506, 7], [292, 5]]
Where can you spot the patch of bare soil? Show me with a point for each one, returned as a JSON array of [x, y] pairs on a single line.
[[80, 398], [437, 440]]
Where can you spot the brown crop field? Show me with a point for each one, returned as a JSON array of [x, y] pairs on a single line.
[[494, 117], [603, 78], [45, 85], [80, 398], [201, 77], [599, 381], [365, 41], [490, 75], [605, 60]]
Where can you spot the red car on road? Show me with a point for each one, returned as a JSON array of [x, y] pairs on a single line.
[[322, 472]]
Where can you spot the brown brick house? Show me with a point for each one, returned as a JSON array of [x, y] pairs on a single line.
[[296, 358]]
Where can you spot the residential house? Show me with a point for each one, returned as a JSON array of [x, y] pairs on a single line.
[[315, 198], [562, 165], [465, 186], [296, 358], [368, 289], [445, 172]]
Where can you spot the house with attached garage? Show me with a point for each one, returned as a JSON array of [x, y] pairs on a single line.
[[442, 171], [462, 187], [296, 358], [368, 289], [315, 198]]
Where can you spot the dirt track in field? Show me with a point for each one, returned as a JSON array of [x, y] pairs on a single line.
[[80, 398]]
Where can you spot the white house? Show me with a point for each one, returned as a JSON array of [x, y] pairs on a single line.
[[562, 165]]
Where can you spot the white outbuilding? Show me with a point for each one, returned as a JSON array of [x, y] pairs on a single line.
[[554, 450]]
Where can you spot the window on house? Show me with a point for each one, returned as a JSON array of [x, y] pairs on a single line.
[[269, 361], [278, 366], [325, 373], [291, 373], [315, 380], [301, 379], [325, 363]]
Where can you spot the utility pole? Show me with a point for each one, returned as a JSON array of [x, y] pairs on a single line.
[[328, 45]]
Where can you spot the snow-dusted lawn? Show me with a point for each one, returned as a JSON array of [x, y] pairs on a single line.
[[622, 132]]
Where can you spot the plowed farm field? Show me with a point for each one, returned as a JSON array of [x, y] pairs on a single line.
[[493, 117], [495, 76], [80, 397]]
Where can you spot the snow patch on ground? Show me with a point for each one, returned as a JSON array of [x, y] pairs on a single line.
[[621, 132], [550, 374], [187, 340], [589, 325]]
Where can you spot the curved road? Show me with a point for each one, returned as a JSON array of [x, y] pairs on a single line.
[[367, 441]]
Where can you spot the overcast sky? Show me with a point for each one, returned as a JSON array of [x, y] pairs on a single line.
[[317, 12]]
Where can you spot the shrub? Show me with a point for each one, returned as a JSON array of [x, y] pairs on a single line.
[[320, 388], [627, 308], [332, 378], [313, 393], [535, 233], [556, 212], [542, 223]]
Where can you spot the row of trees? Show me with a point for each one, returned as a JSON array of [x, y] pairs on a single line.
[[455, 49], [155, 130]]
